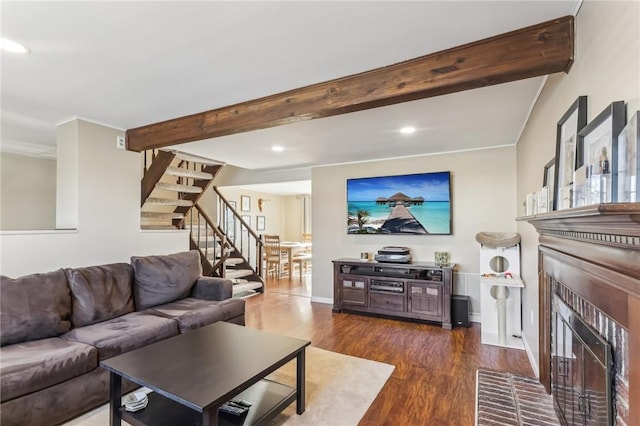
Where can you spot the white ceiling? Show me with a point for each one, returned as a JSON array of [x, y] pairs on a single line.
[[127, 64]]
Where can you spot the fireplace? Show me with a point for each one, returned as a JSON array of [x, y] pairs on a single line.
[[581, 369], [589, 298]]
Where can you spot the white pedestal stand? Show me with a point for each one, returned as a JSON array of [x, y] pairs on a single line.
[[501, 313], [500, 298]]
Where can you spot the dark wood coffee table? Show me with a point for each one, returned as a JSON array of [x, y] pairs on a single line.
[[194, 373]]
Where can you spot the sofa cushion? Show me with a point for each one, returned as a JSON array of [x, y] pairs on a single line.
[[162, 279], [123, 334], [192, 313], [100, 293], [34, 307], [231, 308], [212, 288], [30, 366]]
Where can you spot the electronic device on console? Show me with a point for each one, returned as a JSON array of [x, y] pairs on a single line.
[[394, 254], [378, 286]]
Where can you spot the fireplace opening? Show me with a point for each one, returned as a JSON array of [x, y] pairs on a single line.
[[581, 369]]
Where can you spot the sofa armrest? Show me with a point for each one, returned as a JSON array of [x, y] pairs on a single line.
[[212, 288]]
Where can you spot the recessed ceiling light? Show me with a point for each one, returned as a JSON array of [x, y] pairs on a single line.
[[277, 148], [407, 130], [13, 47]]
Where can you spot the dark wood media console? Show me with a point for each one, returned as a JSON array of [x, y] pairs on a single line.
[[418, 290]]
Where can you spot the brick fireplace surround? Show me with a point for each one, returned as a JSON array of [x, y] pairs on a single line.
[[591, 257]]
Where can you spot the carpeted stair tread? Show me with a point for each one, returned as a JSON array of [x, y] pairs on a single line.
[[161, 215], [234, 261], [180, 172], [238, 273], [251, 285], [179, 188], [211, 253], [169, 202]]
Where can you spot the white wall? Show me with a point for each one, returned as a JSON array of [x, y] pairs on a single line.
[[28, 192], [67, 146], [483, 199], [273, 210], [606, 69], [294, 217], [108, 215]]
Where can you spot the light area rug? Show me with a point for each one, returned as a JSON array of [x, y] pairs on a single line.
[[340, 389]]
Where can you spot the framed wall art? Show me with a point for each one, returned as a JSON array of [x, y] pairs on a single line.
[[245, 203], [380, 204], [629, 160], [549, 172], [260, 223], [598, 155], [565, 162], [548, 180]]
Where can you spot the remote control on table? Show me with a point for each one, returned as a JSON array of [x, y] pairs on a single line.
[[242, 402], [232, 409]]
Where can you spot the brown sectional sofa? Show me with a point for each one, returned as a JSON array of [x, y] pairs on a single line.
[[56, 327]]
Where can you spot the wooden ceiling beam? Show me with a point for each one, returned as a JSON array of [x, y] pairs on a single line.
[[533, 51]]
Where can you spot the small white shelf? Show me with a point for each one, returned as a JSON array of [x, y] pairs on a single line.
[[515, 281], [512, 342]]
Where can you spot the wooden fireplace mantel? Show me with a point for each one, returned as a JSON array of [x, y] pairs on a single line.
[[595, 252], [588, 223]]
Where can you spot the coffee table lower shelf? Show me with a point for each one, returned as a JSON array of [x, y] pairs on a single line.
[[268, 399]]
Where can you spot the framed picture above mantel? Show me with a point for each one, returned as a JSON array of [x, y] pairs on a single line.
[[629, 160], [565, 162], [597, 159]]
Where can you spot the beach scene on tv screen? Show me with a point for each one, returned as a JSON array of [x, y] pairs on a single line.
[[417, 204]]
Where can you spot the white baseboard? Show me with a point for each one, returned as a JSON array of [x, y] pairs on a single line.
[[532, 359], [325, 300], [475, 318]]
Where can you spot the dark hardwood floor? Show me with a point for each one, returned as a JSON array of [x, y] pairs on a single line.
[[434, 379]]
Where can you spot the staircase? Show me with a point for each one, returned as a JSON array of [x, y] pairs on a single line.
[[171, 187]]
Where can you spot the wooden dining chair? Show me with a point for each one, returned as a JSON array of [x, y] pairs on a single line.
[[303, 258], [273, 254], [306, 240]]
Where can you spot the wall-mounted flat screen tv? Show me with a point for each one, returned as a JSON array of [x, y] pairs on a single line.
[[415, 204]]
